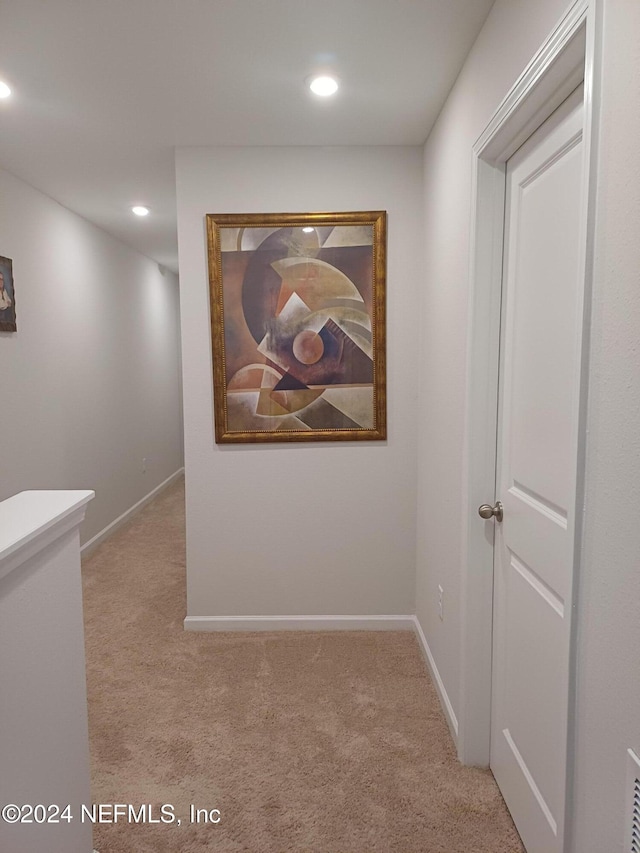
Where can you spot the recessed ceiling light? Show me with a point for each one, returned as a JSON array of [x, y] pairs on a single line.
[[5, 91], [139, 210], [324, 86], [308, 229]]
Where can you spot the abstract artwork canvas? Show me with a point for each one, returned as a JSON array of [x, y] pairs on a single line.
[[7, 297], [298, 326]]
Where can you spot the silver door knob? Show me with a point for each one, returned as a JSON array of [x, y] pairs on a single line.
[[486, 511]]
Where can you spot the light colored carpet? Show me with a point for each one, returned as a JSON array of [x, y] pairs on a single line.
[[305, 742]]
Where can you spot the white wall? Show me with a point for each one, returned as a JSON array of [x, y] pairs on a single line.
[[301, 529], [90, 382], [608, 677], [511, 35]]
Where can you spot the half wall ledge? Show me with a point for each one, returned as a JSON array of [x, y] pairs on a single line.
[[44, 739]]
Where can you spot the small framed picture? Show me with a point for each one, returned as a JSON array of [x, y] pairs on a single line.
[[298, 326], [7, 296]]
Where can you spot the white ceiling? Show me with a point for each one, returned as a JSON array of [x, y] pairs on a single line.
[[104, 89]]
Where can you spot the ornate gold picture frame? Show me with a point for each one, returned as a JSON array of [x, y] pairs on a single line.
[[298, 326]]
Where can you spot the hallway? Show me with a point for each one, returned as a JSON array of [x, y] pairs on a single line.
[[318, 742]]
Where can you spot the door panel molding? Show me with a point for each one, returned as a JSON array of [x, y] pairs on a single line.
[[544, 808], [538, 583], [568, 57]]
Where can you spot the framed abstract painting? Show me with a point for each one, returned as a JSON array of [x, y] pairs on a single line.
[[7, 297], [298, 326]]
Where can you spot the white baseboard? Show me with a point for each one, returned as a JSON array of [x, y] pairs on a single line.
[[447, 707], [128, 515], [299, 623]]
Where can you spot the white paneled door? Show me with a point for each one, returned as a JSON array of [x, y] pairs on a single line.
[[536, 478]]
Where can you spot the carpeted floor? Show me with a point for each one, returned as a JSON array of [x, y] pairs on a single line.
[[304, 742]]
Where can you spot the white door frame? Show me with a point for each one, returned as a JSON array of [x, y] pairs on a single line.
[[567, 57]]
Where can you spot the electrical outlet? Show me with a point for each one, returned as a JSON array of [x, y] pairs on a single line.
[[440, 604], [144, 464]]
